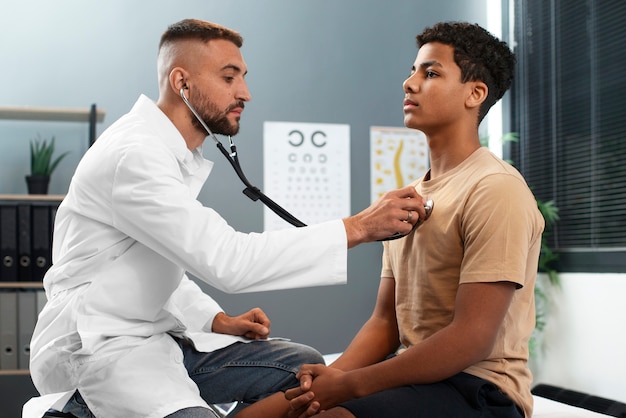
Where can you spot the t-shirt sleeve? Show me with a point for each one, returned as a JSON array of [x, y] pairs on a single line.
[[500, 225]]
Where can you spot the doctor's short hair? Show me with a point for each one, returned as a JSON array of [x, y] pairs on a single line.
[[189, 29], [480, 56]]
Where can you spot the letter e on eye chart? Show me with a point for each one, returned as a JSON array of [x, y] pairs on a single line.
[[398, 156], [306, 170]]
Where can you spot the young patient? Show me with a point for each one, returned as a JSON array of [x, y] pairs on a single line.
[[456, 294]]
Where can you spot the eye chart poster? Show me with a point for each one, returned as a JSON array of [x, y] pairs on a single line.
[[306, 171], [398, 156]]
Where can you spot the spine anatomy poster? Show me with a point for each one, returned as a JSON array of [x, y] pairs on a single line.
[[398, 156]]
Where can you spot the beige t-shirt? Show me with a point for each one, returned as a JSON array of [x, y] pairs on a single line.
[[485, 227]]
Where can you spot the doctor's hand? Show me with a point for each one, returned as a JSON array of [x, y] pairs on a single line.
[[394, 212], [253, 324]]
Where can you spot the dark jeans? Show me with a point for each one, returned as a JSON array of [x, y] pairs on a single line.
[[462, 395]]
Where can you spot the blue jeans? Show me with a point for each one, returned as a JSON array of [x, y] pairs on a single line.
[[241, 372], [247, 372]]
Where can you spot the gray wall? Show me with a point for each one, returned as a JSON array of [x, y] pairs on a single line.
[[325, 61]]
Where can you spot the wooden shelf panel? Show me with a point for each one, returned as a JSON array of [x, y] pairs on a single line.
[[31, 197], [22, 372], [48, 114], [21, 285]]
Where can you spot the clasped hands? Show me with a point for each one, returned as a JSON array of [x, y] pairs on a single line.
[[321, 387]]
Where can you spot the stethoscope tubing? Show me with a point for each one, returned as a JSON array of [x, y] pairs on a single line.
[[253, 192]]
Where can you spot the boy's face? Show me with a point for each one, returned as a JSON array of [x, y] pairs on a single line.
[[434, 94]]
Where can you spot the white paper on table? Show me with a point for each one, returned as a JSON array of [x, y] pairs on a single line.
[[306, 171], [397, 156]]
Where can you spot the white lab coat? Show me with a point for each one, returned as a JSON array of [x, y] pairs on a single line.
[[128, 229]]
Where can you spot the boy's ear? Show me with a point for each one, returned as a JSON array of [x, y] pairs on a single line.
[[478, 94]]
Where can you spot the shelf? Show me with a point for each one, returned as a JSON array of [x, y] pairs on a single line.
[[31, 197], [20, 372], [21, 285], [57, 114]]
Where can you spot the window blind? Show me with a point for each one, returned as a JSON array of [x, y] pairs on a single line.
[[569, 106]]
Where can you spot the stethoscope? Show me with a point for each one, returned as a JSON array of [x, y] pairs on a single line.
[[254, 193], [251, 191]]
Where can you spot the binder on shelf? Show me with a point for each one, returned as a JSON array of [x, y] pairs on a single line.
[[8, 242], [24, 242], [40, 240], [8, 330], [53, 215], [41, 300], [26, 319]]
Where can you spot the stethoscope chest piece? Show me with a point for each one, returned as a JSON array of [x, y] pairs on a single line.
[[429, 210]]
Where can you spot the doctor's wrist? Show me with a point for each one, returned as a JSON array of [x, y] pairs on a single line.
[[355, 233]]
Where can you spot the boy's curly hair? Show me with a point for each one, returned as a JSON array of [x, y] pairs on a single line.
[[480, 55]]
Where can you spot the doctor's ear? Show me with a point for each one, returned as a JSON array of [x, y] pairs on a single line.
[[178, 79]]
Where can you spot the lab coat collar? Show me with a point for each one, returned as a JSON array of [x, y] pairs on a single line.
[[162, 126], [192, 161]]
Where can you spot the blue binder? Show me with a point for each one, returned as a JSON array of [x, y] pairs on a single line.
[[24, 246], [41, 240], [8, 242]]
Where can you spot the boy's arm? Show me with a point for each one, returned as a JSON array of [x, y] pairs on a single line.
[[378, 337], [480, 310]]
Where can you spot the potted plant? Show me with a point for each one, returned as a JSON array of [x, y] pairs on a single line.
[[41, 165]]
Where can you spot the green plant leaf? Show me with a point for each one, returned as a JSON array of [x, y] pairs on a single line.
[[510, 137], [41, 157], [57, 161]]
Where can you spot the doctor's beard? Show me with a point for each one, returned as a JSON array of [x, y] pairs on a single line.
[[215, 119]]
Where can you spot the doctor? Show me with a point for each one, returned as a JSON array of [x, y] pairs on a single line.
[[125, 333]]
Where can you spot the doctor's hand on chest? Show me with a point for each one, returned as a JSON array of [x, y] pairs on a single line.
[[392, 216]]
